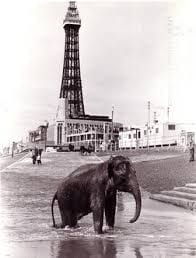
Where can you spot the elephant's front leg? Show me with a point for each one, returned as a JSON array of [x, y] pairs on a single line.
[[110, 208], [98, 220], [97, 206]]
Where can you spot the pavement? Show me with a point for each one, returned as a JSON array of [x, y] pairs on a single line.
[[162, 230], [5, 161]]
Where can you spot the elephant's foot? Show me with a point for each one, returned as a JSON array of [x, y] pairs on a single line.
[[107, 228], [98, 228], [75, 226], [60, 225], [99, 231]]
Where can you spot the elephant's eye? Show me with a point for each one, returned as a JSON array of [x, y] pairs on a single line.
[[121, 166]]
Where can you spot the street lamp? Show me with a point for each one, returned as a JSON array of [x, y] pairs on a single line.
[[13, 147], [112, 133], [45, 129]]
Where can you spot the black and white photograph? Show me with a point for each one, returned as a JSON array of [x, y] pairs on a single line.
[[98, 128]]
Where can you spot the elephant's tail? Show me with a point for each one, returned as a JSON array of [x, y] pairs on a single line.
[[53, 200]]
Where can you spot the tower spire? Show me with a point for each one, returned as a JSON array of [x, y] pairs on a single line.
[[72, 16], [71, 86]]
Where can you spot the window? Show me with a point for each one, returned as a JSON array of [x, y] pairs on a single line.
[[139, 135], [134, 136], [129, 136], [171, 127], [157, 130], [144, 132]]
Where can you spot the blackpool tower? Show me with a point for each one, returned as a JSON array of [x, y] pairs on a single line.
[[73, 127], [71, 86]]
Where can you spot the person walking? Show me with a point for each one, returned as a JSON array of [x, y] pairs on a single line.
[[192, 151], [33, 156], [39, 161]]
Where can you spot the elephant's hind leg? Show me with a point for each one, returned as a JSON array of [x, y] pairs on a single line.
[[64, 219], [64, 215], [68, 219]]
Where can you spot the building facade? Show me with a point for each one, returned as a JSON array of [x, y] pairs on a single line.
[[100, 131], [38, 137], [157, 135]]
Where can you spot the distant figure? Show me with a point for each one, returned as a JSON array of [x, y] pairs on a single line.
[[34, 154], [71, 147], [90, 148], [85, 151], [40, 152], [81, 149], [39, 160], [192, 151], [13, 149]]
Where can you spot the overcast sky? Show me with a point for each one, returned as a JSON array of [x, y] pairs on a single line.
[[130, 53]]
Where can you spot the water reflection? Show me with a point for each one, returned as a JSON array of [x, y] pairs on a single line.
[[87, 248], [138, 253], [96, 248]]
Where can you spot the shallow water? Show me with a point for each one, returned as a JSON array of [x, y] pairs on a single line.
[[26, 225]]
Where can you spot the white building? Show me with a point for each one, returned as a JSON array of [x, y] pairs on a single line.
[[157, 135]]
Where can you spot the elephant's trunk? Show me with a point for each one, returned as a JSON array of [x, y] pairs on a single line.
[[138, 201]]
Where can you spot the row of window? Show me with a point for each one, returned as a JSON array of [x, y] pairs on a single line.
[[156, 131], [84, 137], [170, 127], [78, 125]]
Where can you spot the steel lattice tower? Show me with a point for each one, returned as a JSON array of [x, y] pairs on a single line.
[[71, 86]]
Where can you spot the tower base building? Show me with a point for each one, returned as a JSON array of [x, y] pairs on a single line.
[[71, 133]]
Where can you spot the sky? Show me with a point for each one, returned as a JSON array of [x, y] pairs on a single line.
[[131, 52]]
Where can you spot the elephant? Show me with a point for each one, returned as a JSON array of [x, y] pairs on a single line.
[[93, 188]]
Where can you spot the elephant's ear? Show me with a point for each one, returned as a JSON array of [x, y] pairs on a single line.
[[110, 167]]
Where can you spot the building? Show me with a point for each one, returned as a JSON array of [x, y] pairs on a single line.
[[72, 125], [38, 137], [100, 131], [14, 148], [129, 137], [157, 135]]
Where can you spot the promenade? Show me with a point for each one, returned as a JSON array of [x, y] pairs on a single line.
[[162, 230]]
